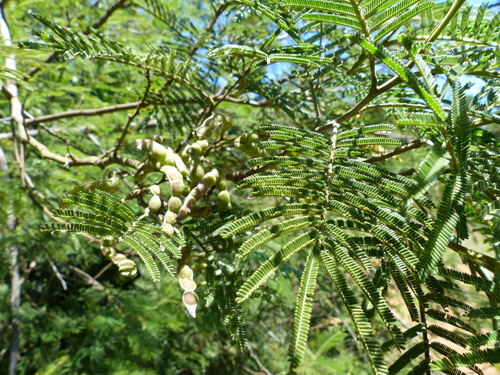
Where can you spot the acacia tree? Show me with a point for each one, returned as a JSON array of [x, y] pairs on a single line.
[[367, 127]]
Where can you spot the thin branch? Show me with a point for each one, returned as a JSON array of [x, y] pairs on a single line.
[[79, 112], [400, 150], [134, 115], [86, 278]]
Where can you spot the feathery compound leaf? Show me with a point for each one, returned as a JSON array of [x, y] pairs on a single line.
[[267, 269], [446, 221], [402, 71], [466, 359], [429, 170], [461, 124], [249, 221], [303, 309], [485, 313], [146, 257], [482, 339], [331, 6], [268, 234], [93, 230], [358, 317], [332, 18], [235, 50], [407, 357]]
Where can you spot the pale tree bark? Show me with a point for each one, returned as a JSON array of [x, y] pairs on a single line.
[[16, 114], [15, 279]]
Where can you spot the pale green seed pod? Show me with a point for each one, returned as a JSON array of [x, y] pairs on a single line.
[[167, 229], [203, 132], [223, 198], [226, 124], [108, 241], [177, 187], [155, 189], [117, 258], [156, 150], [243, 138], [253, 137], [203, 144], [196, 172], [174, 204], [185, 272], [175, 178], [195, 149], [170, 217], [155, 203], [170, 158], [221, 182], [252, 150], [211, 177], [185, 155], [158, 138], [127, 268], [108, 252], [179, 164]]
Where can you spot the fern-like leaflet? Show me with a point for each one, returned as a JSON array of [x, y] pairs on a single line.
[[104, 216]]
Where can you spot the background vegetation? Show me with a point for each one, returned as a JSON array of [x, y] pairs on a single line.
[[390, 157]]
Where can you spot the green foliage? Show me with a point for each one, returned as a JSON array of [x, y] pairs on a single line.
[[335, 158]]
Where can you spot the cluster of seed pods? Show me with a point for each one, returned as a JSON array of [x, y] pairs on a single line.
[[127, 267]]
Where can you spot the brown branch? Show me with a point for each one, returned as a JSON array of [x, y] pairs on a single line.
[[78, 112], [400, 150]]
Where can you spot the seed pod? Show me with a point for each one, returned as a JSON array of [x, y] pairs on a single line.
[[253, 137], [156, 150], [195, 149], [187, 284], [252, 150], [167, 229], [155, 203], [155, 189], [174, 204], [243, 138], [196, 172], [117, 258], [149, 165], [203, 132], [177, 187], [170, 217], [185, 272], [203, 144], [190, 300], [108, 252], [226, 124], [108, 241], [175, 179], [179, 164], [184, 155], [127, 268], [170, 158], [211, 177], [158, 138], [223, 197], [221, 182]]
